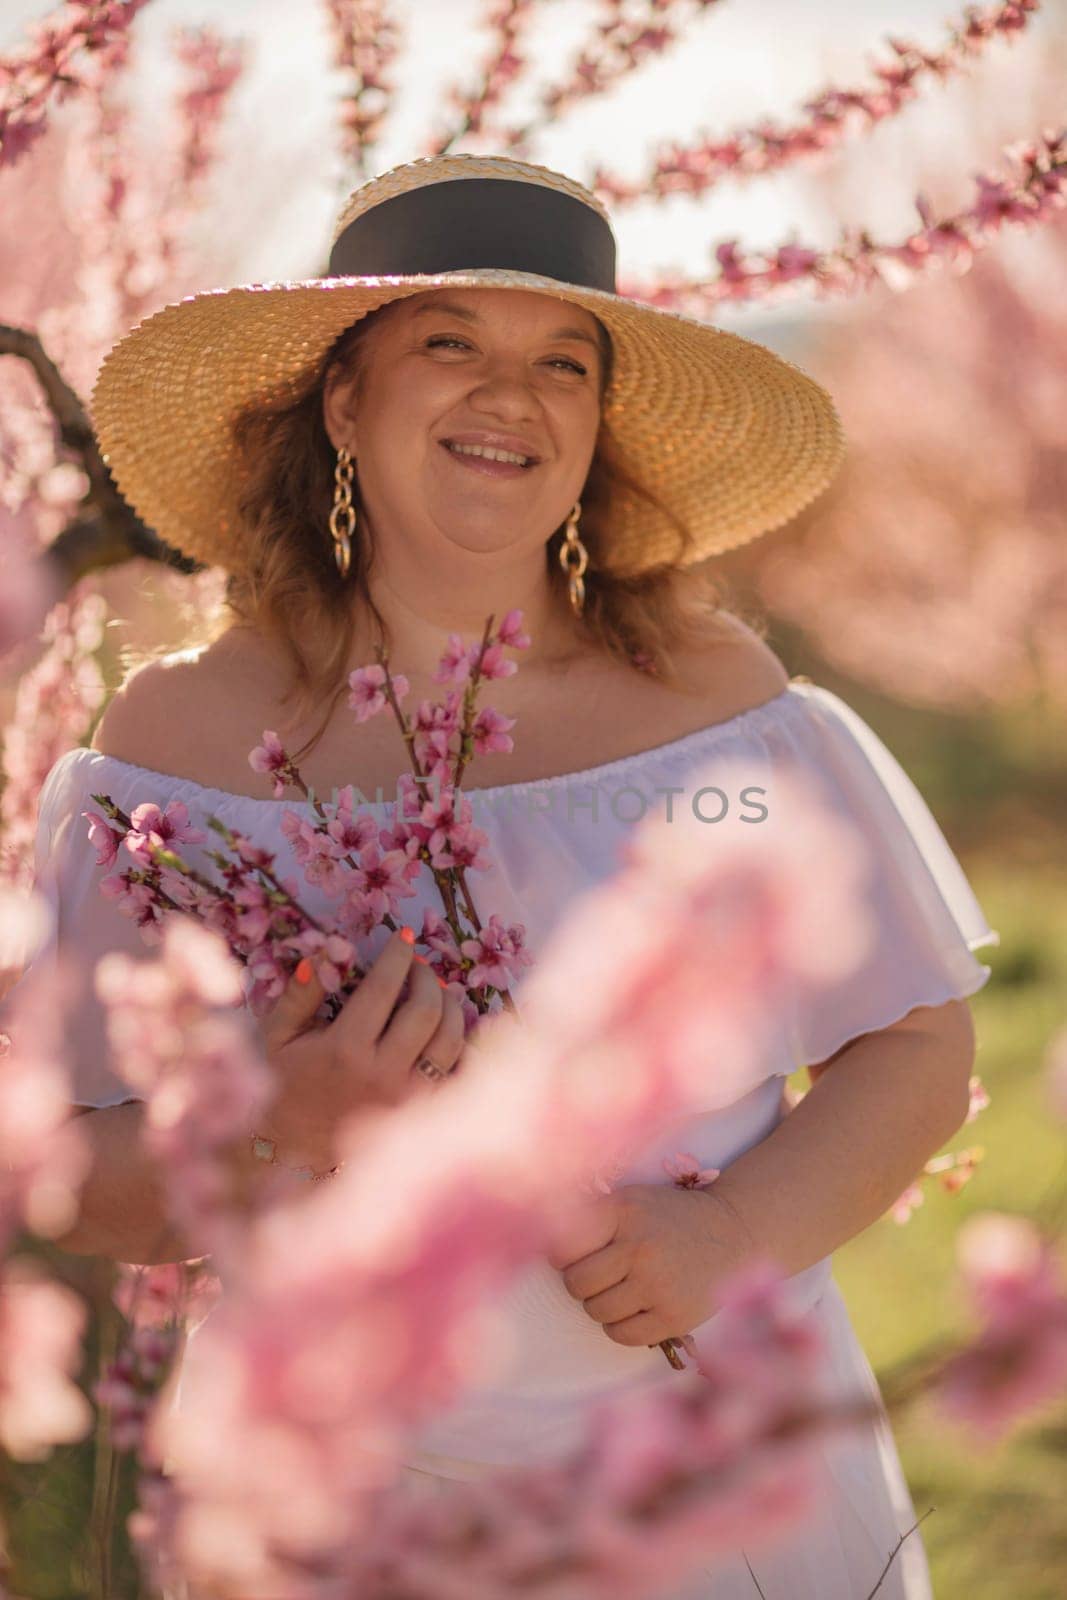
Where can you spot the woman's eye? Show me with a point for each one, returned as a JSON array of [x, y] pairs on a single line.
[[451, 339]]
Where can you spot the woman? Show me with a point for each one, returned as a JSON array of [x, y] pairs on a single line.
[[462, 418]]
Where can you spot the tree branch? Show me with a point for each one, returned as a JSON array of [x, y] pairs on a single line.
[[695, 167], [105, 531]]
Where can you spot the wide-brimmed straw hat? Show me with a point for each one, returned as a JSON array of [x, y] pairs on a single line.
[[730, 437]]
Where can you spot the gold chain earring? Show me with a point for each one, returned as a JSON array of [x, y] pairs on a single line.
[[343, 515], [574, 558]]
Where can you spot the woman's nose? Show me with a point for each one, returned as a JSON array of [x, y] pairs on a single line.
[[504, 390]]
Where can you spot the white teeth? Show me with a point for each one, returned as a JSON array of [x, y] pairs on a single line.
[[489, 453]]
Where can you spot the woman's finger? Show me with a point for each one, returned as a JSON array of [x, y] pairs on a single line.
[[594, 1274], [644, 1328], [293, 1013], [415, 1023], [622, 1300], [365, 1013], [446, 1045]]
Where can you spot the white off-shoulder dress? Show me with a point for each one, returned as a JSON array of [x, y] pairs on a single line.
[[549, 840]]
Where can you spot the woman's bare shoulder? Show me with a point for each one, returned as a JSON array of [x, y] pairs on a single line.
[[733, 670], [181, 713], [728, 671]]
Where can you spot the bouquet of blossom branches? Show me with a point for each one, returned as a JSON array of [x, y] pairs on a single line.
[[367, 867]]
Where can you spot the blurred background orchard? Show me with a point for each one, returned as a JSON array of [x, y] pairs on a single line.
[[870, 188]]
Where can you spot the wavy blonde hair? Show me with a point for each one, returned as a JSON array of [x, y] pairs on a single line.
[[290, 590]]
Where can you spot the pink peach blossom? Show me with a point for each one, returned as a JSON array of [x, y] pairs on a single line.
[[170, 1291], [179, 1037], [270, 757], [489, 732], [382, 879], [1018, 1363], [979, 1098], [456, 661], [41, 1328], [54, 707], [350, 832], [153, 828], [510, 631], [134, 900], [367, 685], [498, 954], [687, 1172], [907, 1202], [44, 1157], [130, 1384], [493, 663]]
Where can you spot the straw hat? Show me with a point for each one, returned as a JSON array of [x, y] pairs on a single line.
[[730, 436]]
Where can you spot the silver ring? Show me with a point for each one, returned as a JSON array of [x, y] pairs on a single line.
[[429, 1069]]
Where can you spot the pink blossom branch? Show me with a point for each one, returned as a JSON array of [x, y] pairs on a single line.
[[623, 41], [470, 695], [54, 708], [530, 1528], [1032, 195], [49, 65], [214, 65], [952, 1170], [135, 231], [479, 667], [697, 166], [44, 1158], [262, 869], [366, 42], [157, 1303], [466, 750], [504, 63], [42, 1324], [434, 831], [1015, 1366], [251, 888], [442, 876], [271, 757], [258, 913], [182, 1043], [289, 774], [130, 1384]]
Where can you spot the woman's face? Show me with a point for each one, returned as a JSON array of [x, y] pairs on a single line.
[[503, 368]]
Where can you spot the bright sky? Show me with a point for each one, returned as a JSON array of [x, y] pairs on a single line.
[[739, 62]]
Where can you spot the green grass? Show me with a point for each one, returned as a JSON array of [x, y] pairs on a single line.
[[999, 1530]]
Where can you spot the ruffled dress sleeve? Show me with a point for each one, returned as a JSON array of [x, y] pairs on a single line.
[[83, 927], [924, 918]]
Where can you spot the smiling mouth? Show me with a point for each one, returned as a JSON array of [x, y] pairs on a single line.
[[488, 457]]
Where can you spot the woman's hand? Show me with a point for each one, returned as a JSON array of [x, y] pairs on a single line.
[[365, 1058], [645, 1261]]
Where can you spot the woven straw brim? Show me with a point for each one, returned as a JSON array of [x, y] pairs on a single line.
[[730, 437]]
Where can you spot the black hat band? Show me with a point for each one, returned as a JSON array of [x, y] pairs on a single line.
[[464, 223]]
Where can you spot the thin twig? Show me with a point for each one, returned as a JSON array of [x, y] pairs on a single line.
[[893, 1555]]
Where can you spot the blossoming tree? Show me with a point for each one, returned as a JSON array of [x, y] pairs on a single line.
[[651, 1491]]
